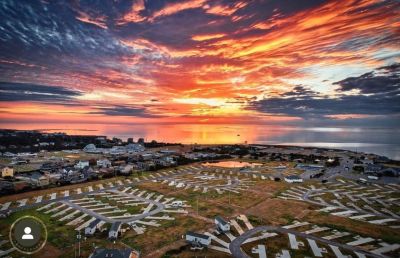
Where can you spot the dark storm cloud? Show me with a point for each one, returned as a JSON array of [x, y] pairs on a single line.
[[49, 37], [52, 28], [299, 91], [317, 107], [124, 111], [10, 91], [386, 79], [380, 96]]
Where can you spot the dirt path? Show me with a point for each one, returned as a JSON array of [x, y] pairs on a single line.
[[159, 252]]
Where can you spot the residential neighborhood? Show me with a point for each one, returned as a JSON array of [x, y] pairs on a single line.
[[215, 200]]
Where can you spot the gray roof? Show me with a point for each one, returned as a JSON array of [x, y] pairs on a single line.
[[115, 226], [197, 235], [36, 175], [94, 223], [293, 177], [374, 167], [221, 220]]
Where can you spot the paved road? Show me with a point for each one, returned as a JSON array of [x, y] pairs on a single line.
[[235, 245], [59, 199], [306, 198], [234, 183], [87, 211], [83, 194], [159, 208]]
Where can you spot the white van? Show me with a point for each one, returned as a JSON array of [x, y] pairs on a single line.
[[373, 177]]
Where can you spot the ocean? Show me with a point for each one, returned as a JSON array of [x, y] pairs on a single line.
[[382, 141]]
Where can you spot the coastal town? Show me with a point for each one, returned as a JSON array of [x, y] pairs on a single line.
[[200, 128], [137, 198]]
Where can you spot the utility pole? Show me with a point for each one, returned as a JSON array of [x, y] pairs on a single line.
[[197, 201], [79, 243]]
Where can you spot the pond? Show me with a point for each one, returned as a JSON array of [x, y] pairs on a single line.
[[231, 164]]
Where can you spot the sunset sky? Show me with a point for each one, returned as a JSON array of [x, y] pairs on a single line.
[[200, 61]]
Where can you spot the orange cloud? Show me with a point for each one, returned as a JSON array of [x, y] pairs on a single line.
[[224, 10], [204, 37], [201, 78], [134, 14], [173, 8], [98, 21]]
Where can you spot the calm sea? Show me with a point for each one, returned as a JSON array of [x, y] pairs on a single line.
[[371, 140]]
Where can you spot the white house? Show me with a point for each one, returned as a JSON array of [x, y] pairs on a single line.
[[293, 179], [221, 224], [90, 148], [118, 150], [113, 233], [196, 238], [168, 152], [147, 156], [91, 229], [367, 161], [126, 169], [134, 147], [104, 163], [82, 164]]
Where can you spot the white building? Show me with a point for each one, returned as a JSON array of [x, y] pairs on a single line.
[[168, 152], [91, 229], [196, 238], [221, 224], [90, 148], [104, 163], [126, 169], [113, 233], [147, 156], [134, 147], [118, 150], [82, 164], [293, 179]]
